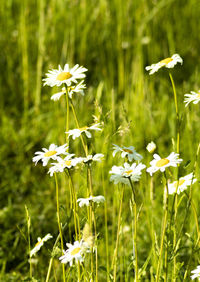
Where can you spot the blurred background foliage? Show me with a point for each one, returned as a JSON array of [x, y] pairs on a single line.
[[115, 40]]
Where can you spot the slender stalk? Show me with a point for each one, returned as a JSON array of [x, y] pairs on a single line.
[[51, 260], [114, 262], [164, 225], [174, 204], [67, 115], [135, 230], [59, 222], [28, 220], [77, 124]]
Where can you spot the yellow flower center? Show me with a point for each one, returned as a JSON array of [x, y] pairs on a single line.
[[38, 243], [63, 76], [198, 94], [68, 163], [50, 153], [180, 182], [83, 128], [129, 171], [75, 251], [166, 61], [127, 151], [162, 162], [71, 88]]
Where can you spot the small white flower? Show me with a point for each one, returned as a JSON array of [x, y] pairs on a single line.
[[67, 162], [67, 76], [151, 147], [77, 132], [127, 151], [168, 63], [121, 174], [95, 158], [183, 183], [39, 244], [194, 98], [162, 164], [57, 96], [52, 153], [196, 273], [76, 89], [75, 251], [86, 201]]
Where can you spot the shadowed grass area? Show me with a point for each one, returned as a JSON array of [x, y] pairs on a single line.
[[114, 40]]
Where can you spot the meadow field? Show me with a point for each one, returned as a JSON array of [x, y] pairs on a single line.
[[139, 229]]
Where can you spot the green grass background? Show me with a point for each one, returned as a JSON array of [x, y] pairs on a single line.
[[115, 40]]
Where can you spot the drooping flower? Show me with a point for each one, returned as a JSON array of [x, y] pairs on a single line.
[[192, 98], [74, 252], [57, 77], [161, 164], [52, 153], [120, 174], [77, 132], [71, 89], [95, 158], [196, 273], [86, 201], [130, 152], [61, 164], [151, 147], [40, 243], [182, 183], [168, 63]]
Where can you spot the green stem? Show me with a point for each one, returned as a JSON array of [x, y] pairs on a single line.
[[164, 225], [135, 229], [77, 124], [67, 116], [59, 222], [114, 262]]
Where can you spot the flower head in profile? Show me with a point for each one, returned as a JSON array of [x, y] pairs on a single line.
[[151, 147], [182, 184], [86, 129], [129, 152], [78, 88], [57, 77], [52, 153], [196, 273], [121, 174], [74, 252], [93, 158], [194, 98], [167, 63], [161, 164], [86, 201], [67, 162], [39, 244]]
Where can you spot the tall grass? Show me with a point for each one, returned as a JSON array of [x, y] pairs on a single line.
[[115, 40]]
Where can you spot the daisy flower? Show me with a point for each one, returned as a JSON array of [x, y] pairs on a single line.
[[194, 98], [57, 77], [95, 158], [71, 89], [67, 162], [127, 151], [151, 147], [39, 244], [168, 63], [182, 183], [162, 164], [86, 201], [75, 251], [77, 132], [121, 174], [52, 153], [196, 273]]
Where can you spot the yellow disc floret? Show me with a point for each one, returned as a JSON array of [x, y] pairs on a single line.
[[166, 61], [75, 251], [63, 76], [50, 153], [162, 162]]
